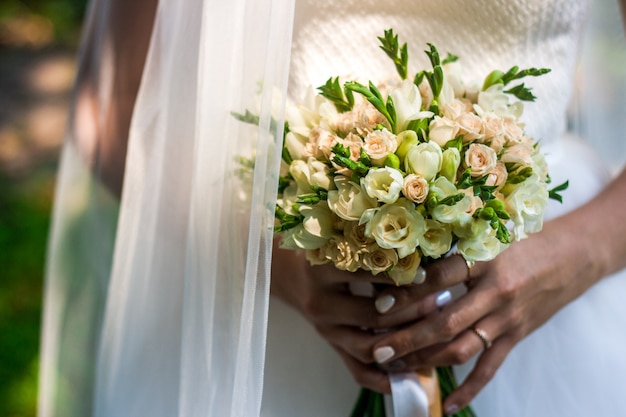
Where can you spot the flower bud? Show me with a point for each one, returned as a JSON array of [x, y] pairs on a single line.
[[406, 139], [424, 160], [392, 161], [451, 159]]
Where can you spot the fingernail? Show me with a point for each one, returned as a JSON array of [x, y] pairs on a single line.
[[420, 276], [443, 298], [383, 354], [451, 409], [384, 303], [397, 365]]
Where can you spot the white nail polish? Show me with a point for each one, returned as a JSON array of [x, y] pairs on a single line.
[[452, 409], [383, 354], [420, 276], [443, 298], [384, 303]]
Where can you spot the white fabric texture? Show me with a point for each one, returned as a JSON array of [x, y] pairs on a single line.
[[176, 326], [569, 367]]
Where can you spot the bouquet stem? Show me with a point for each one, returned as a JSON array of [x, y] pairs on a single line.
[[372, 404]]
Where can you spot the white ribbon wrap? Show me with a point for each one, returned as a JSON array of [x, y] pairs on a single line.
[[408, 398]]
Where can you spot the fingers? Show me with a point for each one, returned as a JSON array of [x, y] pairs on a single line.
[[438, 328], [483, 372], [365, 375]]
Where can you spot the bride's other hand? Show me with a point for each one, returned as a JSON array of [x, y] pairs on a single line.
[[351, 324], [514, 294]]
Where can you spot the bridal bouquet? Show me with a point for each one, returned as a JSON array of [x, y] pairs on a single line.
[[385, 176]]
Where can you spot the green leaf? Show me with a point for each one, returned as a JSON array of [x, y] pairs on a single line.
[[452, 199], [373, 95], [398, 54], [343, 101], [449, 59], [521, 92], [555, 192]]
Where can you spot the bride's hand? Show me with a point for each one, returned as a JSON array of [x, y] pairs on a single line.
[[506, 300], [351, 324]]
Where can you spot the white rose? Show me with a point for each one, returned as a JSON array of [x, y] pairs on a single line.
[[456, 215], [415, 188], [424, 160], [493, 99], [540, 166], [408, 104], [317, 256], [378, 144], [383, 184], [453, 72], [437, 239], [395, 226], [527, 204], [298, 238], [482, 245], [349, 201], [315, 230], [376, 259], [405, 271], [296, 145], [311, 173], [481, 159], [442, 130]]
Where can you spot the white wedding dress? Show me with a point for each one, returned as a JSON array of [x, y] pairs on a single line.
[[156, 299], [574, 365]]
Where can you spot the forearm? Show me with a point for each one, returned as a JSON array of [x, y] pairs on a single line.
[[597, 231]]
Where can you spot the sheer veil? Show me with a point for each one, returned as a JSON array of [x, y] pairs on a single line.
[[157, 304]]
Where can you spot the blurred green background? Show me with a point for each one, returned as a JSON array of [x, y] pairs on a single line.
[[38, 40]]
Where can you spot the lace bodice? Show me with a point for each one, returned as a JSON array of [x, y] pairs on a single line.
[[339, 38]]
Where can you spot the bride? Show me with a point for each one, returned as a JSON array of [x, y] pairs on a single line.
[[158, 305]]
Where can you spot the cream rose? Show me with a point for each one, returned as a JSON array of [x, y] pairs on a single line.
[[437, 239], [339, 252], [470, 127], [498, 175], [481, 159], [424, 160], [378, 144], [349, 201], [355, 235], [415, 188], [383, 184], [315, 230], [518, 154], [513, 132], [442, 130], [527, 204], [321, 142], [456, 108], [405, 271], [395, 226], [376, 259]]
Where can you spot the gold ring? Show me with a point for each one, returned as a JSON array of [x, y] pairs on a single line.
[[482, 334]]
